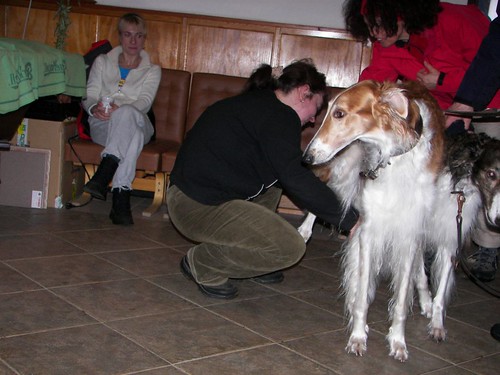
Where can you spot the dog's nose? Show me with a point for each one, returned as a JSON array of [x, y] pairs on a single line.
[[307, 158]]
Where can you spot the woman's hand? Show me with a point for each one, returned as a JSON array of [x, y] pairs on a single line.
[[355, 228], [102, 113], [63, 99], [461, 108], [428, 76]]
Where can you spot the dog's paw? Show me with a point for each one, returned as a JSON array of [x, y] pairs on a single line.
[[356, 345], [398, 351], [426, 309], [438, 334]]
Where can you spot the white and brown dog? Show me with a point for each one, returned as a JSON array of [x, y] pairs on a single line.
[[381, 148]]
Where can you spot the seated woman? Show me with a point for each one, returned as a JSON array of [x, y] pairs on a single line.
[[120, 91]]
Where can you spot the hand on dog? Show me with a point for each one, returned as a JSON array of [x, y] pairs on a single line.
[[428, 76], [355, 227], [450, 119]]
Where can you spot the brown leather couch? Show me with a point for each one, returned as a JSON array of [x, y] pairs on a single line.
[[180, 100]]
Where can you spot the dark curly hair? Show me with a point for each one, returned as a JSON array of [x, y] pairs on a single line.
[[417, 15]]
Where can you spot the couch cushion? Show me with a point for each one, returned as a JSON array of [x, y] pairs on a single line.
[[170, 105], [168, 159], [208, 88]]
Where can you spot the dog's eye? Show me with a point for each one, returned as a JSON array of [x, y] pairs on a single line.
[[491, 174], [338, 113]]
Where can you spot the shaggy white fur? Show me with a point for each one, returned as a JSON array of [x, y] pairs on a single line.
[[381, 149]]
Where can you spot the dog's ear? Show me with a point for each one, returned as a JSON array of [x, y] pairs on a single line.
[[396, 100]]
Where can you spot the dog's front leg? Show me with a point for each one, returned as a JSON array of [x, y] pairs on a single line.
[[306, 228], [402, 282], [443, 266], [357, 281]]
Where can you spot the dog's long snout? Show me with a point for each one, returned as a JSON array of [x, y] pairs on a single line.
[[492, 208], [315, 152]]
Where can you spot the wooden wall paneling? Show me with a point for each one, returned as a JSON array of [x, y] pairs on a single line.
[[335, 54], [40, 21], [199, 43], [41, 25], [106, 28], [82, 33], [3, 24], [164, 43], [15, 18], [275, 54], [230, 49], [181, 63]]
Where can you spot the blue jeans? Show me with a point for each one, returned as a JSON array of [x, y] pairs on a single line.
[[237, 239]]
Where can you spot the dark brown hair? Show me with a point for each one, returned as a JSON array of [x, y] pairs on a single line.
[[298, 73]]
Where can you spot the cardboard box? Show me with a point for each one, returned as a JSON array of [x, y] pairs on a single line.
[[24, 177], [65, 181]]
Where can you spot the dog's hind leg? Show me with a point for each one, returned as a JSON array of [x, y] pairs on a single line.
[[424, 294], [359, 288], [442, 268], [306, 227]]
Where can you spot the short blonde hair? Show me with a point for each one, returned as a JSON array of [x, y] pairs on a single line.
[[132, 18]]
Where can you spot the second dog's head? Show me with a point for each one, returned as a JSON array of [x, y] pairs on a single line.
[[486, 175], [384, 114]]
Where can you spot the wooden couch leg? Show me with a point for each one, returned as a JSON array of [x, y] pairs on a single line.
[[84, 198], [89, 171], [167, 180], [159, 195]]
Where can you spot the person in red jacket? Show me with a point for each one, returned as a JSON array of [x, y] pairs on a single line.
[[426, 40]]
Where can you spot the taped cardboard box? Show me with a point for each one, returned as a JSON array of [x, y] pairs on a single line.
[[24, 177], [65, 181]]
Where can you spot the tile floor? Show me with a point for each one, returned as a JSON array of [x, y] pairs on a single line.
[[81, 296]]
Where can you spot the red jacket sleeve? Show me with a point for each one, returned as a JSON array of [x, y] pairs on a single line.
[[389, 63]]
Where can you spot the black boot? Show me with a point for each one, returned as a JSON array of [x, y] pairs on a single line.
[[98, 184], [121, 213]]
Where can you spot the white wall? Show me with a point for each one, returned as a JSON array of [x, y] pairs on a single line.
[[325, 13]]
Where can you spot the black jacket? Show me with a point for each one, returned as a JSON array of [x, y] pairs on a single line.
[[482, 79], [241, 146]]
